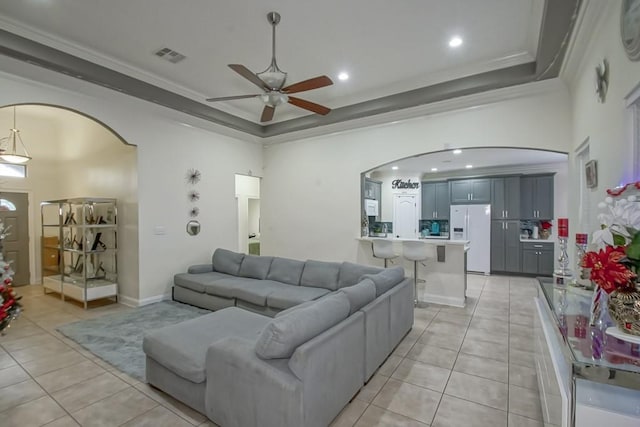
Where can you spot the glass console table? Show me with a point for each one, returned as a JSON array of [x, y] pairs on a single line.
[[585, 377]]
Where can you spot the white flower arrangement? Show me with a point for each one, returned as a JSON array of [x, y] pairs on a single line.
[[620, 224]]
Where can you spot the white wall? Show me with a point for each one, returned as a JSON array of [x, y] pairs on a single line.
[[166, 150], [311, 187], [603, 124]]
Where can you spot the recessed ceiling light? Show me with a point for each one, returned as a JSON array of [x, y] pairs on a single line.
[[458, 151], [395, 168], [455, 41], [343, 76], [434, 169], [468, 166]]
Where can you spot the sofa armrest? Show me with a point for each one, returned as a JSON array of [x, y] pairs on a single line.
[[244, 390], [200, 268]]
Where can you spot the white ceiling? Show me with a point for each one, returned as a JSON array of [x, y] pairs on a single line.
[[480, 158], [386, 47]]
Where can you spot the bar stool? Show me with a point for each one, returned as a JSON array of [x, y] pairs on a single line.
[[417, 252], [383, 248]]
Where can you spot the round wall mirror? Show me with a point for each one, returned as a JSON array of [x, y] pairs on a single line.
[[193, 228]]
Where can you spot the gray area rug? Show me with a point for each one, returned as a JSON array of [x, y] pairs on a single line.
[[117, 338]]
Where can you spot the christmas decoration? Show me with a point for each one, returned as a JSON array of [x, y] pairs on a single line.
[[10, 308]]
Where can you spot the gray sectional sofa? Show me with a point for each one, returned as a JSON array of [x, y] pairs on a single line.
[[334, 324]]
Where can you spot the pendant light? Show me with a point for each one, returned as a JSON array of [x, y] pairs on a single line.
[[9, 145]]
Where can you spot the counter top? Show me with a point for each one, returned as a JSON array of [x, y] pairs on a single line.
[[426, 241]]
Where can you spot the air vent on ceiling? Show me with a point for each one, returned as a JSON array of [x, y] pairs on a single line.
[[170, 55]]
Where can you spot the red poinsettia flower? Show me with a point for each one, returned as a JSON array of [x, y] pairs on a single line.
[[606, 269]]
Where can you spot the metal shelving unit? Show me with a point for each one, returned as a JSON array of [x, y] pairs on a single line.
[[87, 235]]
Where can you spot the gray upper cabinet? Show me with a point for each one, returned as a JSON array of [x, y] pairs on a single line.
[[467, 191], [536, 197], [505, 198], [443, 206], [435, 200]]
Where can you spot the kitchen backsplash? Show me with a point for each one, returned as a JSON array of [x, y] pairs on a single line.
[[528, 229], [379, 227], [433, 227]]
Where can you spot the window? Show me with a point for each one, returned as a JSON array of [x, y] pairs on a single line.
[[6, 206], [15, 171]]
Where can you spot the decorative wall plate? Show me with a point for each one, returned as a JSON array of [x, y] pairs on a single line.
[[630, 28]]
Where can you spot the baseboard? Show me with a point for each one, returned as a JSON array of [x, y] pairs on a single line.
[[134, 302], [437, 299]]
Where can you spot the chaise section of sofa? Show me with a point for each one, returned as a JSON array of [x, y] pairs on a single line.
[[333, 326]]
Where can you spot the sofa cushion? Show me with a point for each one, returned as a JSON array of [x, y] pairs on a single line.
[[284, 334], [360, 295], [285, 298], [197, 282], [182, 348], [200, 268], [286, 270], [255, 267], [351, 273], [320, 274], [251, 290], [386, 279], [257, 291], [226, 261]]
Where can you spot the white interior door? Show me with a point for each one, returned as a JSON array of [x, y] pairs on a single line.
[[405, 217]]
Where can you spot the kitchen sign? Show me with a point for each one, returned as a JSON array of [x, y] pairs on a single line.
[[398, 184]]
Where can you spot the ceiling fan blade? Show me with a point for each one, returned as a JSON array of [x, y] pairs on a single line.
[[249, 75], [308, 105], [267, 113], [228, 98], [314, 83]]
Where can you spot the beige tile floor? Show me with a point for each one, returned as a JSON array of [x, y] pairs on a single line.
[[471, 367]]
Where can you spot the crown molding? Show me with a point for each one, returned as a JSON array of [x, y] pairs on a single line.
[[416, 113], [589, 22]]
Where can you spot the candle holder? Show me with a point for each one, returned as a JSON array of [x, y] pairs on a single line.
[[563, 275], [582, 279]]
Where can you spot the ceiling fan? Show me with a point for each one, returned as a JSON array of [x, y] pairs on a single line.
[[272, 81]]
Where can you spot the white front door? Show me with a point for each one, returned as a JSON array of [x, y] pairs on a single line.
[[405, 218]]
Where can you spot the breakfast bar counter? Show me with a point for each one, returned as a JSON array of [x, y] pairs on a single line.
[[445, 274]]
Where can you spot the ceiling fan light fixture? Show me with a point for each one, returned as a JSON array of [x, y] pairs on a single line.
[[274, 98], [9, 146], [274, 79]]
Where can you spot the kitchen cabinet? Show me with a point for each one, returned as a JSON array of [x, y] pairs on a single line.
[[435, 200], [505, 246], [468, 191], [505, 198], [536, 197], [537, 258]]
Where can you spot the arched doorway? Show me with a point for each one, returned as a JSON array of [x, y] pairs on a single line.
[[74, 155]]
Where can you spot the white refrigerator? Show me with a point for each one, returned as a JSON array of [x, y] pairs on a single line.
[[473, 223]]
